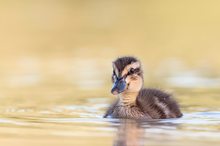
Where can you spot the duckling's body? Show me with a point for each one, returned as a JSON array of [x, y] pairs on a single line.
[[134, 101], [149, 104]]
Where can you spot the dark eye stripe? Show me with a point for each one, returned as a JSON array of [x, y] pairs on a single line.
[[133, 71]]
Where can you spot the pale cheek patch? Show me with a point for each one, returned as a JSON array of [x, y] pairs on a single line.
[[128, 80], [134, 84], [134, 77], [128, 67]]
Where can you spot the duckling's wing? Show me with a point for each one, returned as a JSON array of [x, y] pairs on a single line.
[[111, 109], [158, 104]]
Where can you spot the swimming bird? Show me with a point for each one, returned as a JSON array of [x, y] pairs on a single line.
[[133, 100]]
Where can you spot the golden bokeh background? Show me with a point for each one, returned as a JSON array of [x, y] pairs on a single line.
[[52, 28], [52, 44]]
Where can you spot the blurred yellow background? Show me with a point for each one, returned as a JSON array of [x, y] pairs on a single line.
[[49, 43], [52, 28]]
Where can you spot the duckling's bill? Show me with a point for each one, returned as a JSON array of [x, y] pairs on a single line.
[[119, 86]]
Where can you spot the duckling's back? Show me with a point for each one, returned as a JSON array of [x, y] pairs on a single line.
[[157, 104]]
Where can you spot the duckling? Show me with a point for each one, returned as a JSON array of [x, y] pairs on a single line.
[[134, 101]]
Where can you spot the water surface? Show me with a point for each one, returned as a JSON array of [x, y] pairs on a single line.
[[80, 122]]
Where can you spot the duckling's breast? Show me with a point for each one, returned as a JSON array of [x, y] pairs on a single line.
[[129, 112]]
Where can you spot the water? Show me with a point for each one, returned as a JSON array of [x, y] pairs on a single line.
[[79, 122]]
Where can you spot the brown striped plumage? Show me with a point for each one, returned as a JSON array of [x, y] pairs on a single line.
[[136, 102]]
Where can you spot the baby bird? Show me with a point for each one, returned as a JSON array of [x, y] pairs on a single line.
[[134, 101]]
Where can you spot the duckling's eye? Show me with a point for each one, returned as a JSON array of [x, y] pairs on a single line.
[[131, 71]]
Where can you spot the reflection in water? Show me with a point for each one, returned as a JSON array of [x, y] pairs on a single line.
[[132, 132], [129, 133]]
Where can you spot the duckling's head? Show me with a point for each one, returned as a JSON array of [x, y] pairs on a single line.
[[127, 75]]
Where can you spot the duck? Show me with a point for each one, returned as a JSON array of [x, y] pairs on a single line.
[[133, 100]]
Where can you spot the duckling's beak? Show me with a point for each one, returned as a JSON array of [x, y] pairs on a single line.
[[119, 86]]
